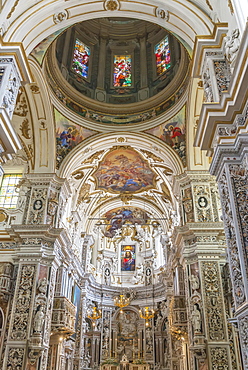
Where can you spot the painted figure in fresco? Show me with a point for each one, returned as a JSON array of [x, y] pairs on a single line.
[[66, 137], [128, 263]]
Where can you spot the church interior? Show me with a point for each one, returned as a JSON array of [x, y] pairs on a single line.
[[123, 185]]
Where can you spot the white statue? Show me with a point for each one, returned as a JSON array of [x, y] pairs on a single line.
[[232, 45], [39, 320], [138, 277], [164, 309], [195, 283], [196, 319]]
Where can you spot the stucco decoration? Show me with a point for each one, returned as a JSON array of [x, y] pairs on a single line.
[[123, 170]]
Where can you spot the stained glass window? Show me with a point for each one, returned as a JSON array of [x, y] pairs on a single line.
[[8, 193], [162, 54], [81, 55], [122, 70]]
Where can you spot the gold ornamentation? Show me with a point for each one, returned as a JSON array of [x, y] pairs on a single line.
[[125, 198], [78, 174], [34, 88], [21, 107], [209, 5], [25, 129], [12, 9], [151, 155], [111, 5], [230, 5], [93, 157], [3, 216], [121, 140]]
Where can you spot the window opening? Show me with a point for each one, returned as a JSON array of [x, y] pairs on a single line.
[[8, 193], [122, 71], [162, 54], [81, 55]]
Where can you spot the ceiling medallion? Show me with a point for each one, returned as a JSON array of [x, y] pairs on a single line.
[[161, 13], [112, 5]]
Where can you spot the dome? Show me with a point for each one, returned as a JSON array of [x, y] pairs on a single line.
[[120, 63]]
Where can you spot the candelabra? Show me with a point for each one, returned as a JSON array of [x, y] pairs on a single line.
[[121, 301], [146, 313]]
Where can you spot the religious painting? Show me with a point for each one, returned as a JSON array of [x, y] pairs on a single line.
[[128, 258], [162, 55], [76, 298], [80, 62], [40, 50], [68, 135], [117, 217], [123, 170], [122, 71], [173, 133]]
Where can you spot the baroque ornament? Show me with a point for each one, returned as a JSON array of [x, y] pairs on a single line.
[[161, 13], [112, 5], [60, 17], [237, 279], [214, 306]]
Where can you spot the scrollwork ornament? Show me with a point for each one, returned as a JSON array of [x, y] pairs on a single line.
[[15, 358], [233, 252], [243, 329], [219, 358]]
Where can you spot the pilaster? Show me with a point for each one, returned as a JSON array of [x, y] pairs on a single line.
[[203, 254]]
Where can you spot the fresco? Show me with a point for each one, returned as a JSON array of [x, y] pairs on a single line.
[[128, 258], [162, 54], [68, 135], [81, 55], [123, 170], [173, 133], [122, 71], [40, 50], [119, 216]]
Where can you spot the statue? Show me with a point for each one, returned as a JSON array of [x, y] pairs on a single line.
[[195, 283], [196, 319], [232, 45], [138, 277], [39, 320]]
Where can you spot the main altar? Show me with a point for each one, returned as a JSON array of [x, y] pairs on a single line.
[[124, 364]]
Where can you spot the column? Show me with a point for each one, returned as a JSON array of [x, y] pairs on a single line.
[[144, 90], [100, 93], [30, 319], [223, 133], [202, 244]]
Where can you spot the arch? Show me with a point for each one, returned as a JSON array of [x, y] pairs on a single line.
[[185, 20]]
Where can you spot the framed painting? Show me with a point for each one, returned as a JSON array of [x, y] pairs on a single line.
[[128, 258]]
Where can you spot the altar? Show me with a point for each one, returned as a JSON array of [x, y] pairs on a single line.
[[128, 366], [124, 364]]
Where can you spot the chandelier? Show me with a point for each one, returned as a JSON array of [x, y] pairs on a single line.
[[121, 301], [146, 313], [94, 314]]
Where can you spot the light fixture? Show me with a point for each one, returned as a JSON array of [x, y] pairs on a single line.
[[94, 314], [146, 313], [121, 301]]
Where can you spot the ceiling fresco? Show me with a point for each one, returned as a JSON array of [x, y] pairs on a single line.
[[123, 170], [117, 217], [173, 133], [40, 50], [68, 135]]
